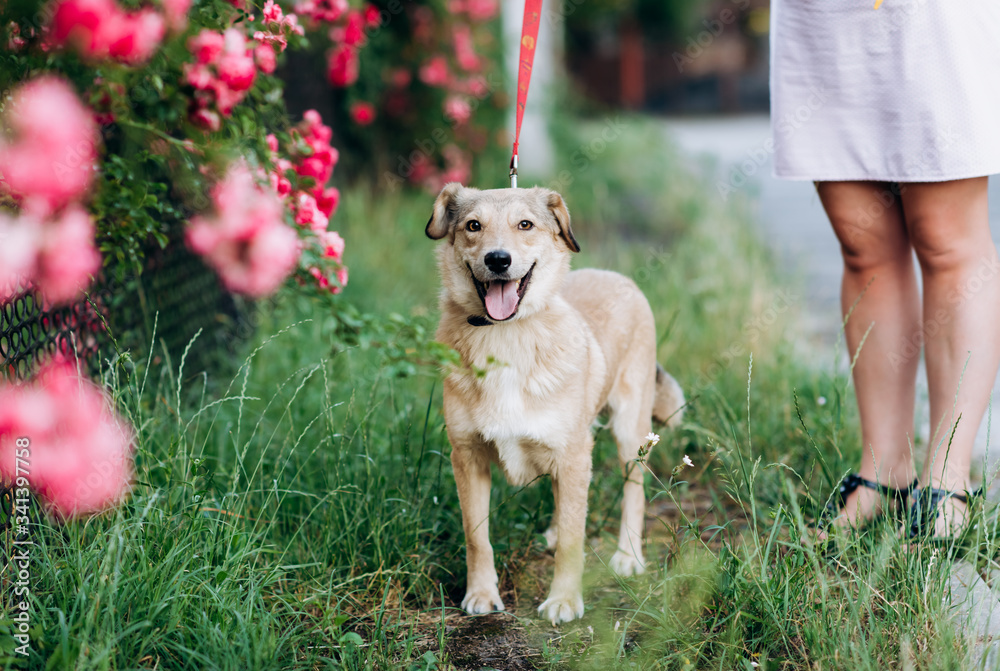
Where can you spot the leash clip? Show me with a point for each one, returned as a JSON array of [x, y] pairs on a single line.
[[513, 171]]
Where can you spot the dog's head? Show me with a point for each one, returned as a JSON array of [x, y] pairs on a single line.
[[507, 249]]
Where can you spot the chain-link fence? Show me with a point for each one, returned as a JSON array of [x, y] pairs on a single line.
[[175, 289], [28, 332]]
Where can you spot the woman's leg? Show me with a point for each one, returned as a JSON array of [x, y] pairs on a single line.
[[948, 225], [867, 218]]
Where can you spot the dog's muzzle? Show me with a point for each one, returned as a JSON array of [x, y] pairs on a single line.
[[501, 297]]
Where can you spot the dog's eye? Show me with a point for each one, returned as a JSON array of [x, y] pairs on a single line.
[[526, 225], [472, 225]]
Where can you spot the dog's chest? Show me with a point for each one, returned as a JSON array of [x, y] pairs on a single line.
[[528, 429]]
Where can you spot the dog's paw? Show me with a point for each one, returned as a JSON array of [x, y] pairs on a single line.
[[627, 564], [482, 600], [551, 535], [562, 608]]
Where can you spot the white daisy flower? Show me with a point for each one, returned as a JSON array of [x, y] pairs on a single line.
[[652, 438], [687, 461]]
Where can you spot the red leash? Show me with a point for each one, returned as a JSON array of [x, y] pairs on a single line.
[[529, 40]]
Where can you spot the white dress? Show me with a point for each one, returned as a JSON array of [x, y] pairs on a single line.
[[908, 92]]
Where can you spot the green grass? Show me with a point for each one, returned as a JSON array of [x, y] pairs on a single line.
[[303, 515]]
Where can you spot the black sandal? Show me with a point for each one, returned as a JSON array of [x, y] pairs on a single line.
[[925, 509], [850, 483]]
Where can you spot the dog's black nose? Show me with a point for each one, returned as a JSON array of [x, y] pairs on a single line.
[[498, 261]]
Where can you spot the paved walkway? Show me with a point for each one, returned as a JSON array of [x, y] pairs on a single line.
[[793, 222]]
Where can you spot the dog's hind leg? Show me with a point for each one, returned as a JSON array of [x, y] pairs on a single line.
[[472, 477], [631, 402]]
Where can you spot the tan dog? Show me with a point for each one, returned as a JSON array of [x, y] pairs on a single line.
[[558, 348]]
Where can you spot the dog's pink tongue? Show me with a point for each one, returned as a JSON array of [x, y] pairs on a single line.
[[501, 299]]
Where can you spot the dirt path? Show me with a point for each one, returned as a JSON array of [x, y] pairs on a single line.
[[519, 640]]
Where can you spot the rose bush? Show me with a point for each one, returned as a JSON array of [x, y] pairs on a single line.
[[141, 118], [418, 87], [126, 122]]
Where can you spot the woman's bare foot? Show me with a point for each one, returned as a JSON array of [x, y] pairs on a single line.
[[945, 520], [951, 518], [860, 506]]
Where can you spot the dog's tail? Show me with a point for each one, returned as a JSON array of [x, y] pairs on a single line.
[[668, 402]]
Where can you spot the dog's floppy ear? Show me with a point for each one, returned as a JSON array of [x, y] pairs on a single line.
[[559, 211], [444, 212]]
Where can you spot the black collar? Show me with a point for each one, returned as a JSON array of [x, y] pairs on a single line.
[[479, 320]]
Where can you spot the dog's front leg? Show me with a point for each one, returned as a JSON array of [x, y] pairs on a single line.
[[565, 600], [472, 476]]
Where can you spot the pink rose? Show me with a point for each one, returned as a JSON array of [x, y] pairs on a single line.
[[457, 109], [235, 66], [327, 200], [176, 11], [363, 113], [343, 66], [314, 127], [373, 17], [332, 245], [279, 182], [100, 29], [206, 46], [465, 52], [315, 168], [322, 11], [88, 25], [354, 31], [435, 72], [140, 33], [323, 282], [226, 98], [482, 10], [199, 76], [308, 214], [272, 12], [246, 240], [80, 454], [263, 55], [67, 257], [53, 155], [206, 119], [341, 280], [20, 238]]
